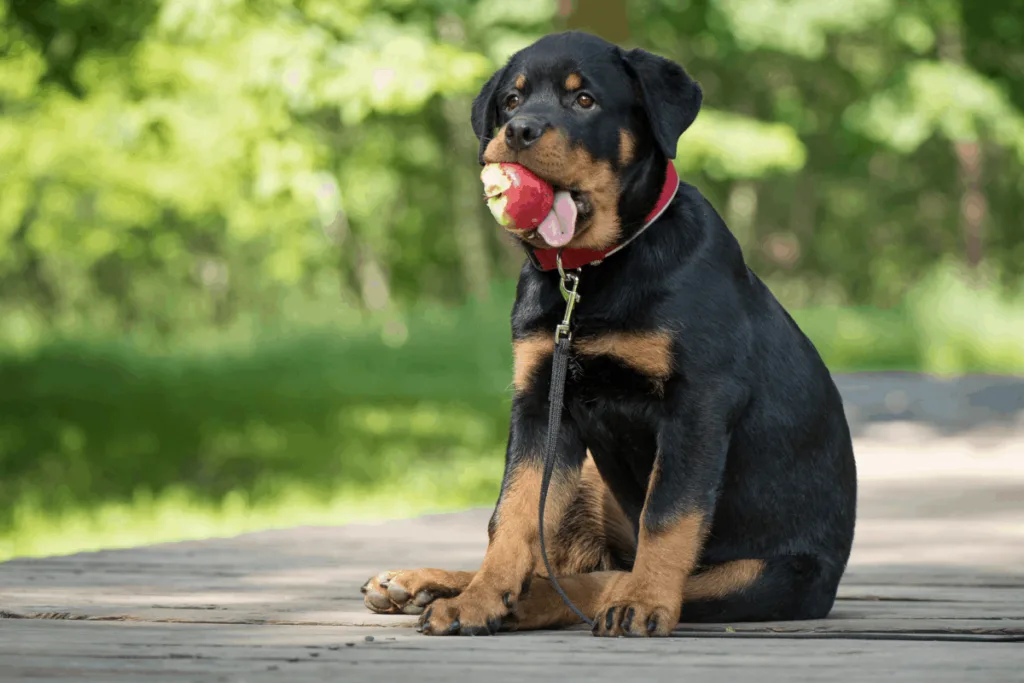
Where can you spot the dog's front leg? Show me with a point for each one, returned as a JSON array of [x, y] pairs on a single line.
[[692, 443], [513, 551]]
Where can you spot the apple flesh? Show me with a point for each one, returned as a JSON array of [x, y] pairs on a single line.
[[517, 198]]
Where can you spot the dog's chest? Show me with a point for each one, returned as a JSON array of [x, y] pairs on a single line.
[[616, 402], [622, 364], [616, 410]]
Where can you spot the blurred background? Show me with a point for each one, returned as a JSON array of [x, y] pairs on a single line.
[[247, 279]]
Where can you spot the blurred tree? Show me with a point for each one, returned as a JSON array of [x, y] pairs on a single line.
[[606, 18], [176, 164]]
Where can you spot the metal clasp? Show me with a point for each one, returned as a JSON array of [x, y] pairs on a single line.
[[571, 298]]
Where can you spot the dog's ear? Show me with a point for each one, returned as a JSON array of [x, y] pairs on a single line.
[[484, 114], [671, 98]]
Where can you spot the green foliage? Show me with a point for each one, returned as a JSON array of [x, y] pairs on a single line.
[[318, 422], [105, 443], [798, 27], [940, 98], [232, 153], [206, 181], [726, 146]]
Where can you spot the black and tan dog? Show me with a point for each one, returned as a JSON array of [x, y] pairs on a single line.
[[706, 470]]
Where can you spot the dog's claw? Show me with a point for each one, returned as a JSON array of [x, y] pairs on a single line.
[[627, 619]]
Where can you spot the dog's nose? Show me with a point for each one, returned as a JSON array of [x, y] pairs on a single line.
[[523, 131]]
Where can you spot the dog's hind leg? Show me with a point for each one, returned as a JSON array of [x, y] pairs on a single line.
[[784, 588], [778, 589], [595, 534]]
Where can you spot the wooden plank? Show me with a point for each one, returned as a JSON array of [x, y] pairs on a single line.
[[59, 651], [965, 574], [939, 552]]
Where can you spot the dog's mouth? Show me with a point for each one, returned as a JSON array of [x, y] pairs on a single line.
[[584, 209], [571, 210], [570, 214]]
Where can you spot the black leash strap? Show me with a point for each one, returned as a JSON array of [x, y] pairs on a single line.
[[556, 396]]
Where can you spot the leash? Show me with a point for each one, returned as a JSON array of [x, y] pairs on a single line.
[[556, 397], [568, 284]]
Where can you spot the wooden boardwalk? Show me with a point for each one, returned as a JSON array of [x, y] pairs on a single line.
[[935, 589]]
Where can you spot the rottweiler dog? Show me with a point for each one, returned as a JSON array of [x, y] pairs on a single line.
[[705, 470]]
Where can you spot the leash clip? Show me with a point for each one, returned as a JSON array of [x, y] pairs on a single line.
[[563, 330]]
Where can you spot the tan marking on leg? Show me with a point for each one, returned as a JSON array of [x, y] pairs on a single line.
[[648, 600], [667, 556], [592, 593], [516, 539], [594, 530], [528, 353], [520, 82], [627, 147], [542, 607], [573, 82], [649, 353], [511, 555], [723, 580]]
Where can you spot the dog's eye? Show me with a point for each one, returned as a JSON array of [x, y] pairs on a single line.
[[585, 101], [511, 102]]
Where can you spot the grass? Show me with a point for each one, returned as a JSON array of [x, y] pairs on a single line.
[[106, 444], [178, 513]]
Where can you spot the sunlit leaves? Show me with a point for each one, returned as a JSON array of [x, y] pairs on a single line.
[[939, 98], [725, 145], [198, 20], [526, 14], [394, 68], [20, 67], [799, 27], [914, 31], [235, 151]]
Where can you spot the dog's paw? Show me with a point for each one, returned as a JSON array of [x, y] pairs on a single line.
[[629, 609], [635, 619], [478, 611], [409, 591]]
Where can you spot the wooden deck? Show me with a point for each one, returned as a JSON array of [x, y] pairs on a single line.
[[935, 589]]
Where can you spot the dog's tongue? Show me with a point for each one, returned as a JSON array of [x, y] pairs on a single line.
[[559, 225]]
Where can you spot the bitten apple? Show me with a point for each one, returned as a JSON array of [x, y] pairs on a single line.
[[517, 198]]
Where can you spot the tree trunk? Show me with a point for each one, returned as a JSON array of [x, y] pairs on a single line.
[[606, 18], [468, 231], [973, 204], [970, 165], [741, 213], [373, 281]]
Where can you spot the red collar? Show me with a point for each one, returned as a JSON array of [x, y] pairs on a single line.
[[545, 259]]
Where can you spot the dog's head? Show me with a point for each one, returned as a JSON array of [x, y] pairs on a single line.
[[592, 119]]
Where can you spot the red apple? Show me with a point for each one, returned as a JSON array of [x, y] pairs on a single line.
[[517, 198]]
